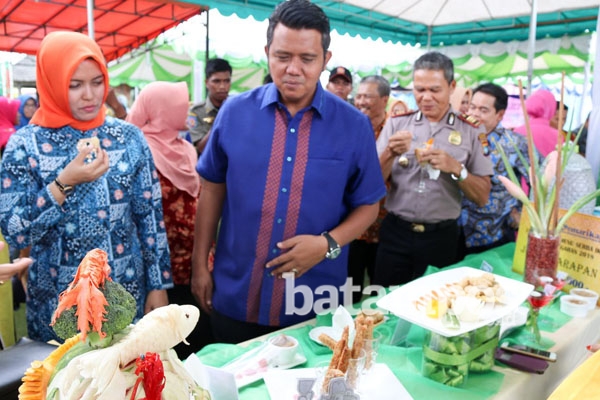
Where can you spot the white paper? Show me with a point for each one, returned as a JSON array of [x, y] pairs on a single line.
[[220, 384], [433, 173], [379, 383], [341, 318]]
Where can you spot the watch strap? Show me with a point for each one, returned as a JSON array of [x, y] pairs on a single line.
[[333, 247], [63, 188], [463, 174]]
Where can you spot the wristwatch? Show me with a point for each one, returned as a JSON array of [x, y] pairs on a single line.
[[334, 249], [64, 189], [463, 174]]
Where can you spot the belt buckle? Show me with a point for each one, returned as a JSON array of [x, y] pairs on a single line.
[[419, 228]]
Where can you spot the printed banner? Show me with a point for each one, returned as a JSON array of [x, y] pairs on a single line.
[[579, 254]]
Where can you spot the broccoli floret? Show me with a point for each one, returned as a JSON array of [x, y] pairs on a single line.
[[120, 312]]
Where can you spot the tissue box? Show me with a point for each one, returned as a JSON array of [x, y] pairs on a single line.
[[449, 360]]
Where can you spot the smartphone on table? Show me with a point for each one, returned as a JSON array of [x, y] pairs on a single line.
[[529, 351], [521, 361]]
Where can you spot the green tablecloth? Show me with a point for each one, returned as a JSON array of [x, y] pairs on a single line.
[[405, 359]]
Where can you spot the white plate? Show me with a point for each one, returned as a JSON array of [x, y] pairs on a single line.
[[250, 375], [378, 384], [400, 301], [329, 330]]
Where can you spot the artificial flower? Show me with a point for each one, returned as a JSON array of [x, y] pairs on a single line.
[[542, 205]]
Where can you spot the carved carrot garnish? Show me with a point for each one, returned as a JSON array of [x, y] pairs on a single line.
[[84, 293]]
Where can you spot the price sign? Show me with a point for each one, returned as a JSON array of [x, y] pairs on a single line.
[[579, 254]]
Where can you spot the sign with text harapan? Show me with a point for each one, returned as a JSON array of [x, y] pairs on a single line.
[[579, 254]]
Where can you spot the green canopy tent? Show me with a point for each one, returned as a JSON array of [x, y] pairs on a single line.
[[165, 62]]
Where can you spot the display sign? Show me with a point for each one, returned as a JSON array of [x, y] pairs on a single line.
[[579, 254]]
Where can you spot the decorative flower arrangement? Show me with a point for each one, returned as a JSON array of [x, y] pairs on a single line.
[[546, 290], [545, 184]]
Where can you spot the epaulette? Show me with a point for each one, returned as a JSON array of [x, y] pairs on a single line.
[[404, 114], [469, 119]]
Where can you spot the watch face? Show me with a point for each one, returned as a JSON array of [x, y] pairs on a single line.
[[334, 253]]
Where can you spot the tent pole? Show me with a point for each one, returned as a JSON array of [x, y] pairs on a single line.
[[531, 48], [90, 18], [592, 149], [429, 31], [207, 39]]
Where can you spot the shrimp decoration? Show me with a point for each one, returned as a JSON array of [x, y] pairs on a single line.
[[84, 292], [151, 367]]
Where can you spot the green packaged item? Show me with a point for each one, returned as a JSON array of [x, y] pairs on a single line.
[[449, 360]]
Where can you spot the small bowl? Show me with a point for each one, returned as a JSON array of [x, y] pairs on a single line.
[[588, 295], [286, 348], [574, 306]]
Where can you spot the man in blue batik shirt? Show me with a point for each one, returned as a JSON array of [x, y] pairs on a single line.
[[293, 173], [497, 222]]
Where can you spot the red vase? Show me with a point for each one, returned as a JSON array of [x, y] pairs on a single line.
[[541, 258]]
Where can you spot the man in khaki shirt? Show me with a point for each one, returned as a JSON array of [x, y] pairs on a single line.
[[202, 115], [424, 200]]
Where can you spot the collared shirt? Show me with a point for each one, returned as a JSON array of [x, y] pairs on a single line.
[[305, 181], [442, 201], [371, 235], [488, 224], [120, 212], [200, 119]]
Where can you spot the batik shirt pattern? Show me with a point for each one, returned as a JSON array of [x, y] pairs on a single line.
[[120, 212], [485, 225]]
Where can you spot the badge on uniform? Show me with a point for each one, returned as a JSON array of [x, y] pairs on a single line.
[[485, 145], [208, 120], [455, 138]]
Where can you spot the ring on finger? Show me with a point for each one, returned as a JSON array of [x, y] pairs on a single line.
[[295, 271]]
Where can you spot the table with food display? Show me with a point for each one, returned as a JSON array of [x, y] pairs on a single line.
[[421, 356], [441, 336]]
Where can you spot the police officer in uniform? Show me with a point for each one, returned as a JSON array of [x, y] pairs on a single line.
[[202, 115], [423, 204]]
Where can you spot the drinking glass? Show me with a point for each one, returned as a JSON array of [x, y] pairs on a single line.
[[371, 348], [423, 174], [355, 370], [536, 300]]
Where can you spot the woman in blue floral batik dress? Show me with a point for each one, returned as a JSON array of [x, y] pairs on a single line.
[[74, 180]]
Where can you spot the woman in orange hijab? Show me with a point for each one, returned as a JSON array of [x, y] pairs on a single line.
[[75, 180]]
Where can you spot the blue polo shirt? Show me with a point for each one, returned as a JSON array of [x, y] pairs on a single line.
[[305, 180]]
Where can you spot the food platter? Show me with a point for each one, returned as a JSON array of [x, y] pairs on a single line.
[[401, 301]]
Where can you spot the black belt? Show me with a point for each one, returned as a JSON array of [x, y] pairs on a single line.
[[421, 227]]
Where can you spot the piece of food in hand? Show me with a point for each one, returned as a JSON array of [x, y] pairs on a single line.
[[426, 146], [92, 142]]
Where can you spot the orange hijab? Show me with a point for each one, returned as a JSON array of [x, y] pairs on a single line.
[[58, 57], [160, 111]]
